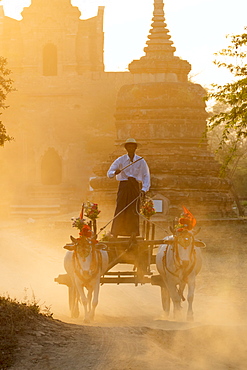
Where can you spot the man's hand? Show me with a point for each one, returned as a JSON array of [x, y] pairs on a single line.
[[143, 194], [117, 172]]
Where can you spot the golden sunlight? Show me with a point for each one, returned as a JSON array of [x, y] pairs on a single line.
[[127, 23]]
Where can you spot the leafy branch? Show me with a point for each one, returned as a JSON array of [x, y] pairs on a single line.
[[6, 86], [233, 95]]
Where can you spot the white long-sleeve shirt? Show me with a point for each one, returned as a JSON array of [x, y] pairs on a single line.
[[138, 170]]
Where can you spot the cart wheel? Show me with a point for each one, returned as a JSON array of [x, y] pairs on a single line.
[[73, 303], [165, 299]]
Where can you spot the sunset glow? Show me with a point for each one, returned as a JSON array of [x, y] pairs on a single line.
[[197, 28]]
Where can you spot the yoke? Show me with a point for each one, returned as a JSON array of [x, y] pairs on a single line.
[[124, 251]]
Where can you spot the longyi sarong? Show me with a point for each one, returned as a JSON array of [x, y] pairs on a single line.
[[127, 222]]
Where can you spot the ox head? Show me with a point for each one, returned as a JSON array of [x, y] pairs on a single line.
[[81, 245], [185, 244]]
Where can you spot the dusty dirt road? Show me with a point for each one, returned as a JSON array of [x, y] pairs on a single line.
[[129, 331]]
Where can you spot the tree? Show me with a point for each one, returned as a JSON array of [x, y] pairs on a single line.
[[233, 95], [6, 86], [237, 168]]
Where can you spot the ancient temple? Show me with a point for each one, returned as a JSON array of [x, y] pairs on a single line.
[[59, 111], [63, 119], [45, 25], [166, 113]]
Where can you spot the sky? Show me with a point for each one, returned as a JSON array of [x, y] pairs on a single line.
[[198, 29]]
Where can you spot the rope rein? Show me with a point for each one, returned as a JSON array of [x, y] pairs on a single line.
[[177, 260], [151, 222], [102, 228], [137, 211], [97, 262]]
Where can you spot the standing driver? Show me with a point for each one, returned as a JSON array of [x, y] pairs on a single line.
[[133, 175]]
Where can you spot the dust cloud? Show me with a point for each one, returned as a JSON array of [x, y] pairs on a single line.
[[31, 256]]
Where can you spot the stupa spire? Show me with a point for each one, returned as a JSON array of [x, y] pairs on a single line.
[[1, 11], [159, 52], [159, 43]]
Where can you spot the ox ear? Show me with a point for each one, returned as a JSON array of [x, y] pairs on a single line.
[[70, 247], [200, 244]]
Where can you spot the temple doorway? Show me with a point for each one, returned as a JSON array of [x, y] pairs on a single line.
[[50, 60], [51, 168]]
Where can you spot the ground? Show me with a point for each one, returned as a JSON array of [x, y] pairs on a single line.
[[130, 331]]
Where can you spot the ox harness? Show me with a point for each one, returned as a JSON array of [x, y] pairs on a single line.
[[95, 265], [185, 242]]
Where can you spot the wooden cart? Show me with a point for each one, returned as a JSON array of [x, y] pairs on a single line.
[[138, 256]]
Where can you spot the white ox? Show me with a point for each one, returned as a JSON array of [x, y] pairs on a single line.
[[84, 264], [178, 261]]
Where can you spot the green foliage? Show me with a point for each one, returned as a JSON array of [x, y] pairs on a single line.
[[6, 86], [233, 96], [234, 155]]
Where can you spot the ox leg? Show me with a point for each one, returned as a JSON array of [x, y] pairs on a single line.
[[165, 299], [73, 302], [176, 299], [181, 287], [190, 298], [89, 298], [95, 300], [73, 293], [84, 301]]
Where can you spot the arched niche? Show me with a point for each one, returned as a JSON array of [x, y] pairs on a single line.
[[50, 60], [51, 168]]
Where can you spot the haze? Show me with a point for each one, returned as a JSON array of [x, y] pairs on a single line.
[[45, 119], [197, 28]]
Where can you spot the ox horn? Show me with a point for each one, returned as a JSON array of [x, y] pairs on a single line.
[[172, 230], [74, 240], [195, 232]]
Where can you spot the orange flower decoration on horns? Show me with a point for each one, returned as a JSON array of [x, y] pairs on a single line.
[[187, 220]]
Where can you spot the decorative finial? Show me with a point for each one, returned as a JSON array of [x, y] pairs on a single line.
[[159, 44], [159, 51]]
